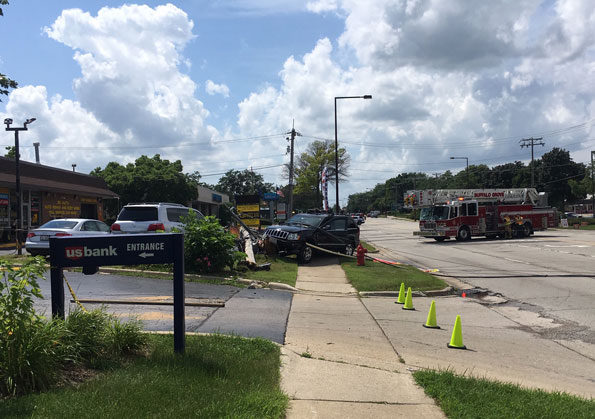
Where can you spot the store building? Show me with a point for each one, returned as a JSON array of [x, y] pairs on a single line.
[[47, 193], [209, 201]]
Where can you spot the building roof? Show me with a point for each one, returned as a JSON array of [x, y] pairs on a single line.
[[47, 178]]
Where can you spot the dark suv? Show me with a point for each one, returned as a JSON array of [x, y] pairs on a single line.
[[338, 233]]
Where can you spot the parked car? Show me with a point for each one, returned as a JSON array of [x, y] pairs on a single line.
[[152, 217], [338, 233], [374, 214], [38, 243], [358, 218]]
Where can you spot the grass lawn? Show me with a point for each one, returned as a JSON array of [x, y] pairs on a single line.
[[283, 269], [377, 276], [467, 397], [218, 376], [368, 246]]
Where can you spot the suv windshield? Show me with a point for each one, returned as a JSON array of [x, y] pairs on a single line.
[[434, 213], [138, 214], [305, 219]]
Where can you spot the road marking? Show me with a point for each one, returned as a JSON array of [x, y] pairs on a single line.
[[572, 245]]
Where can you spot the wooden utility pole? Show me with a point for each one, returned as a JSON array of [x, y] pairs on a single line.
[[293, 133], [531, 142]]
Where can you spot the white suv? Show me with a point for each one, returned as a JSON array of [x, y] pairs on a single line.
[[151, 217]]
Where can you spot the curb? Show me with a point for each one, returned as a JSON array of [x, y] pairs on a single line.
[[249, 282], [431, 293]]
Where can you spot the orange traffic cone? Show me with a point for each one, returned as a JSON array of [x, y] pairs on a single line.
[[456, 340], [408, 301], [431, 321]]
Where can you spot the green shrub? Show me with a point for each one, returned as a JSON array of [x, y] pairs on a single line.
[[33, 351], [22, 349], [208, 247], [99, 338]]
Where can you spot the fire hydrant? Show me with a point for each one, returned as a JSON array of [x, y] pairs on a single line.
[[360, 253]]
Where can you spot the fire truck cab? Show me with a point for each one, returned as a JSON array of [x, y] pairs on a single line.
[[492, 213]]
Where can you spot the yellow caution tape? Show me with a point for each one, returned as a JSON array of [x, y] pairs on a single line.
[[74, 297]]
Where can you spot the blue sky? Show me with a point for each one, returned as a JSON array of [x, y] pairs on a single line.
[[197, 80]]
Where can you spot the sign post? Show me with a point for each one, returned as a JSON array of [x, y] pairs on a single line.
[[135, 249]]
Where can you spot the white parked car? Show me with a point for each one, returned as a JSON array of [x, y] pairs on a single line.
[[151, 218], [38, 240]]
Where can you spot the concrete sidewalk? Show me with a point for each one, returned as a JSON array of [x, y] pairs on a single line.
[[337, 361]]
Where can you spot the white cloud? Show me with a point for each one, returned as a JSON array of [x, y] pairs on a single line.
[[321, 6], [213, 88]]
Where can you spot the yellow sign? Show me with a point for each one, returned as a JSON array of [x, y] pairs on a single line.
[[249, 208], [251, 222]]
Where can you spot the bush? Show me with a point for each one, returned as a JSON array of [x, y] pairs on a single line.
[[208, 247], [33, 351]]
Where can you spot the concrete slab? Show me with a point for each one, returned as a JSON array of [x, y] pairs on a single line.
[[252, 313], [349, 410], [339, 329], [335, 288], [499, 348], [339, 381]]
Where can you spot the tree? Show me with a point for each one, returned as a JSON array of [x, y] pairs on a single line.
[[245, 182], [555, 170], [149, 179], [309, 167], [5, 82], [11, 152]]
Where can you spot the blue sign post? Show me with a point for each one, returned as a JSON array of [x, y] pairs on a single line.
[[128, 249]]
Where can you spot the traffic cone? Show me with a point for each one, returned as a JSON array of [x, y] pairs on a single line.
[[408, 301], [431, 321], [401, 298], [456, 340]]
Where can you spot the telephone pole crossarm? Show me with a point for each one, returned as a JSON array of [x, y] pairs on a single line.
[[532, 142]]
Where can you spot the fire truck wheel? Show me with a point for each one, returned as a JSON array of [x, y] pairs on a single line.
[[464, 234]]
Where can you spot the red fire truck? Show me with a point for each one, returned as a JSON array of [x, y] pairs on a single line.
[[463, 213]]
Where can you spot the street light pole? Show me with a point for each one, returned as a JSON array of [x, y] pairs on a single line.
[[592, 187], [467, 167], [19, 225], [337, 146]]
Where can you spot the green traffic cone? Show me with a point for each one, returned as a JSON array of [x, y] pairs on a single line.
[[431, 321], [456, 340], [408, 301], [401, 298]]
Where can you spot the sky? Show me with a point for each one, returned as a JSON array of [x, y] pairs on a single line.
[[218, 84]]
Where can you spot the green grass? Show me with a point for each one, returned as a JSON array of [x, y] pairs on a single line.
[[283, 269], [368, 246], [375, 276], [217, 377], [467, 397]]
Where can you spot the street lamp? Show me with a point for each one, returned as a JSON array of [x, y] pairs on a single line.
[[19, 226], [337, 145], [467, 169], [592, 187]]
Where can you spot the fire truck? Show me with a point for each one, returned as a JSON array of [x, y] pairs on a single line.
[[463, 213]]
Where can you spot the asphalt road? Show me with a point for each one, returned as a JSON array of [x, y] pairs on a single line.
[[247, 312], [550, 275]]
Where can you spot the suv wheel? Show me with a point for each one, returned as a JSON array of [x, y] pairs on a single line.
[[305, 255], [349, 249]]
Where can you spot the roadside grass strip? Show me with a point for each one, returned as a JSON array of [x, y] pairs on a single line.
[[283, 269], [375, 276], [219, 376], [469, 397], [370, 247]]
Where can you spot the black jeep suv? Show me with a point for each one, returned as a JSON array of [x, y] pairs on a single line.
[[338, 233]]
